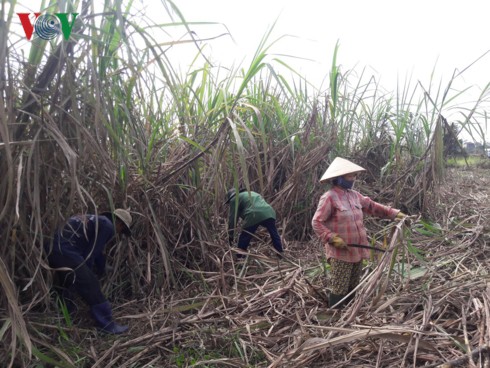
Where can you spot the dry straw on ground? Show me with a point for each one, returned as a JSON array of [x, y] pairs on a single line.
[[271, 313]]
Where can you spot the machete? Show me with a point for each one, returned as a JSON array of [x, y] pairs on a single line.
[[366, 247]]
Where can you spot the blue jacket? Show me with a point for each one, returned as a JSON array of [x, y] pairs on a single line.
[[83, 239]]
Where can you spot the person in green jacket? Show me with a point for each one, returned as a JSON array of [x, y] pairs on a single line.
[[254, 211]]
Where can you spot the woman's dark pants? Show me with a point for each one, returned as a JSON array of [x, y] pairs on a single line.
[[81, 279], [248, 232]]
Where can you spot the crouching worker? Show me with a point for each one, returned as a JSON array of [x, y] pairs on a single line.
[[254, 212], [338, 223], [79, 246]]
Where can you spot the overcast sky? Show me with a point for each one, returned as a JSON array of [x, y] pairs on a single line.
[[389, 37]]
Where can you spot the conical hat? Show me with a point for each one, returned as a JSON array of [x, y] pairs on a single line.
[[125, 217], [340, 166], [122, 215]]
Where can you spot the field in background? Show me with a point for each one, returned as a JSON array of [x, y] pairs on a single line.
[[473, 160]]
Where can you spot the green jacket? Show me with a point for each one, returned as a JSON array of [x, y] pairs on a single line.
[[252, 209]]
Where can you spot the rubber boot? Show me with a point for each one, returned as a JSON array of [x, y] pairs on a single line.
[[350, 297], [334, 299], [102, 314]]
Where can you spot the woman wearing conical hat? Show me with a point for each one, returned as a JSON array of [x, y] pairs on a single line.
[[338, 222]]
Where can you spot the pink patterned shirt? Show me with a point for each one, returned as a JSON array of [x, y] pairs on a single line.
[[340, 212]]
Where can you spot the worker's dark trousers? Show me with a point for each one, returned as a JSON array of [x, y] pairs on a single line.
[[81, 279], [270, 225]]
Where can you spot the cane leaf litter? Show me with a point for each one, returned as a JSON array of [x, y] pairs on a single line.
[[99, 122]]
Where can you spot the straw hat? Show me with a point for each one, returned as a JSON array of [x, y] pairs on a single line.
[[340, 166], [122, 215]]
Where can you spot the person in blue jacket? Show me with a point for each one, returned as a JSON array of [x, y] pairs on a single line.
[[79, 245], [254, 211]]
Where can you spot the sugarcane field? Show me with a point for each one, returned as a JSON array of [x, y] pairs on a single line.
[[154, 215]]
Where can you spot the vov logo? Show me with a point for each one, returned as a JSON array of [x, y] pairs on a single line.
[[47, 26]]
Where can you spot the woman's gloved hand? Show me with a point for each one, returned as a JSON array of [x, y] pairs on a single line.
[[338, 242], [400, 216]]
